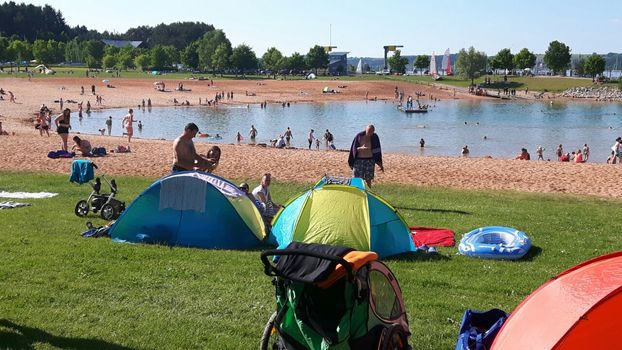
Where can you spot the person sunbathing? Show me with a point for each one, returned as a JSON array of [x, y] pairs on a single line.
[[82, 145]]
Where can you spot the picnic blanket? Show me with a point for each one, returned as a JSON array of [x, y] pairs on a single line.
[[21, 195], [11, 205], [440, 237]]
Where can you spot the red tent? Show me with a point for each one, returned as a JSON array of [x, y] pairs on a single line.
[[581, 308]]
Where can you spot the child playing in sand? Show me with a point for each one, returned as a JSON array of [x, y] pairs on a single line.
[[43, 123]]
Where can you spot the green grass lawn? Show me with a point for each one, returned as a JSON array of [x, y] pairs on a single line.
[[58, 290], [549, 84]]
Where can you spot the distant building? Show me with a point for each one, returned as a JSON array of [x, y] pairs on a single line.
[[123, 43], [338, 63]]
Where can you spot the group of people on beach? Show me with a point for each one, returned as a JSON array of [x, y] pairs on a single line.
[[365, 152]]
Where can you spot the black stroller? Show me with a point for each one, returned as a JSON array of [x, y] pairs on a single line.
[[109, 207]]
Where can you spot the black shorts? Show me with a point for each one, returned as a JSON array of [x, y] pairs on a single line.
[[62, 130]]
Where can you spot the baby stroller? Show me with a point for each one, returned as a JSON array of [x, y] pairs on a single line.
[[109, 207], [331, 297]]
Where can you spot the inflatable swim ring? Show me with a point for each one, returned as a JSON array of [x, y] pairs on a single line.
[[495, 242]]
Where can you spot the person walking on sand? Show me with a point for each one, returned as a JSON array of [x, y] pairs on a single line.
[[365, 154], [128, 122], [288, 136], [310, 138], [252, 134], [63, 124], [185, 156]]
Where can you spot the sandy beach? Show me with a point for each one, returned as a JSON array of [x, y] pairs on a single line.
[[27, 151]]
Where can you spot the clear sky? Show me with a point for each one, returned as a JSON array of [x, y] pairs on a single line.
[[363, 27]]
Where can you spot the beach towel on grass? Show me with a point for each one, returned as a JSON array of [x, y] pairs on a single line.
[[21, 195], [439, 237], [11, 205], [81, 171]]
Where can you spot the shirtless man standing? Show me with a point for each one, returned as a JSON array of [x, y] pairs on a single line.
[[185, 153], [128, 122], [365, 154]]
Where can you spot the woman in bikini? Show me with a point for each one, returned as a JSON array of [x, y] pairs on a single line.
[[63, 124]]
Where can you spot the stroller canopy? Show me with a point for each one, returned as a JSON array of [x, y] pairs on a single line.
[[191, 209], [342, 213]]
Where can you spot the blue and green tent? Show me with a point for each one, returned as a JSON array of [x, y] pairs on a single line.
[[192, 209], [346, 214]]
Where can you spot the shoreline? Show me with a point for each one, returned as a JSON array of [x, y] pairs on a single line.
[[27, 151]]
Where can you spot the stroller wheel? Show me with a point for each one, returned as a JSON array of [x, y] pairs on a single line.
[[108, 212], [82, 208], [269, 336]]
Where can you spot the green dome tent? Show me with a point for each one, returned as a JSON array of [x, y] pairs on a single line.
[[344, 213]]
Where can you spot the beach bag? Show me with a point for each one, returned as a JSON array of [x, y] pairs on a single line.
[[98, 151], [479, 329]]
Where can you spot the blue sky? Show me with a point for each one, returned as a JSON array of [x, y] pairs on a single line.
[[363, 27]]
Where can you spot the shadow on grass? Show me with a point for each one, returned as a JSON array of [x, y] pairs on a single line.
[[532, 253], [417, 256], [22, 337], [435, 210]]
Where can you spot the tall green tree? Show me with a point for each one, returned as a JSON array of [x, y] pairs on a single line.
[[158, 56], [272, 60], [40, 51], [220, 58], [471, 64], [143, 61], [19, 51], [296, 62], [503, 60], [109, 61], [243, 58], [73, 51], [208, 44], [398, 63], [190, 55], [93, 52], [557, 57], [422, 62], [594, 65], [524, 59], [316, 58]]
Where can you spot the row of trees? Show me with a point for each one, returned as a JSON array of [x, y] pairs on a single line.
[[30, 23], [472, 63], [213, 51]]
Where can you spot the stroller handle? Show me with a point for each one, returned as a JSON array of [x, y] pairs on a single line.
[[271, 270]]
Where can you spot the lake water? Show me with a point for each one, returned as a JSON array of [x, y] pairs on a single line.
[[446, 128]]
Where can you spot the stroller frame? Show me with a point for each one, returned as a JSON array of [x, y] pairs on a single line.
[[108, 206], [350, 281]]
